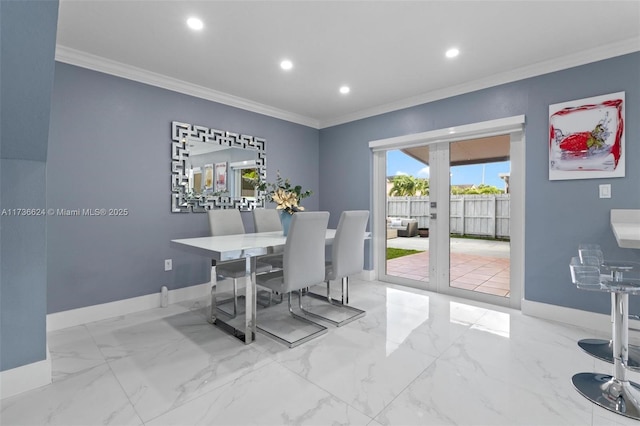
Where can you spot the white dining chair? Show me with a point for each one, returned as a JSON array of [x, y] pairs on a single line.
[[347, 258], [229, 222], [303, 266], [268, 220]]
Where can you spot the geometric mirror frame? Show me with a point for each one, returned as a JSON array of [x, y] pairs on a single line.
[[182, 200]]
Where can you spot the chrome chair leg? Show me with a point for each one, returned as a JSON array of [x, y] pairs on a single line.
[[300, 317], [344, 297], [321, 328], [357, 313]]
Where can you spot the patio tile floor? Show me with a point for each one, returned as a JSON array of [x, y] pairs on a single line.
[[473, 272]]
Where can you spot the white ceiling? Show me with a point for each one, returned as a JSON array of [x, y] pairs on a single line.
[[391, 53]]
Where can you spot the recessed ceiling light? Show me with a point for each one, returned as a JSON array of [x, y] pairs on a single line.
[[286, 64], [195, 24], [344, 90], [452, 53]]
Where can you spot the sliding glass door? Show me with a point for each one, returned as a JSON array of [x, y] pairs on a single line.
[[446, 214], [471, 214]]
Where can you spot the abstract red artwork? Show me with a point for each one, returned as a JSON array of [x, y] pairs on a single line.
[[586, 138]]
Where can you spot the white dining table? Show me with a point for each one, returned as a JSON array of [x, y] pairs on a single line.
[[234, 247]]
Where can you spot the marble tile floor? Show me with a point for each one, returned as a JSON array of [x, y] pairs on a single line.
[[416, 358]]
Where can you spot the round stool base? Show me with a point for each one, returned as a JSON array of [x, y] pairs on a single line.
[[602, 350], [602, 389]]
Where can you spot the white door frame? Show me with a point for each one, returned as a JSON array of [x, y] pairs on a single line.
[[514, 127]]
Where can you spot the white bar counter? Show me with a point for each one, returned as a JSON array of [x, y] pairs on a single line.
[[626, 227]]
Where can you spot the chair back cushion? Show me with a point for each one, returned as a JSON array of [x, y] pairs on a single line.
[[304, 250], [225, 222], [266, 220], [347, 252]]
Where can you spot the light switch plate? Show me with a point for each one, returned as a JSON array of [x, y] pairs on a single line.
[[605, 190]]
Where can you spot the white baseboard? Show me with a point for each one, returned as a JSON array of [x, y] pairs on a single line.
[[25, 378], [74, 317], [586, 319], [367, 275], [189, 293]]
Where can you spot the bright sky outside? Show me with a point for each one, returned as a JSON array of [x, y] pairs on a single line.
[[399, 163]]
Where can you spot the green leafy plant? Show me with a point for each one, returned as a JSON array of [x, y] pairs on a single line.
[[251, 175], [282, 192]]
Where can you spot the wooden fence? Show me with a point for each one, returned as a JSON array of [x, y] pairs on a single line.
[[478, 215]]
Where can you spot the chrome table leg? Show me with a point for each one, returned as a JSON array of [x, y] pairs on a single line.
[[250, 300], [246, 333], [214, 303]]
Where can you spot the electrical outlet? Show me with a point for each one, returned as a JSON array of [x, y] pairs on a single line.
[[167, 265]]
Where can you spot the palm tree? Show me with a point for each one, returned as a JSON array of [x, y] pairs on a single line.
[[408, 186], [422, 186]]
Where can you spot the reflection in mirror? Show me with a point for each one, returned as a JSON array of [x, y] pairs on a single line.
[[242, 173], [209, 168], [212, 170]]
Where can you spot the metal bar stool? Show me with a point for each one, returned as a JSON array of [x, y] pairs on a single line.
[[613, 392], [600, 348]]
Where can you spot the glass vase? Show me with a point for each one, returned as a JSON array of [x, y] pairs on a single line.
[[285, 219]]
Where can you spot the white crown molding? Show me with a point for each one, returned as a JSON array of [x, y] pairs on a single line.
[[97, 63], [107, 66], [569, 61]]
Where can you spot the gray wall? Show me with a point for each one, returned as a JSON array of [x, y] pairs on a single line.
[[559, 214], [110, 148], [562, 214], [28, 35]]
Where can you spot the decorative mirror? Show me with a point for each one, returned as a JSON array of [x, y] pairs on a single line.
[[209, 169]]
